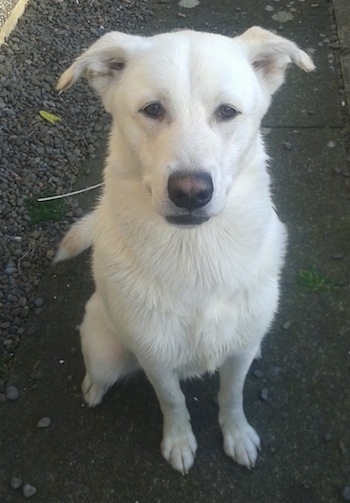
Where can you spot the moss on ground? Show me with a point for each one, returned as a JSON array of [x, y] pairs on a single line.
[[46, 211], [315, 281]]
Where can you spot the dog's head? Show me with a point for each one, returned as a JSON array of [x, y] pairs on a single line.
[[187, 107]]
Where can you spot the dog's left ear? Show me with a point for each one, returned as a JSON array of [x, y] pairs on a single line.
[[102, 63], [270, 55]]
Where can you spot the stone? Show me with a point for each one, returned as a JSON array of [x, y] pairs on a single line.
[[15, 482], [29, 490], [264, 394], [258, 373], [327, 437], [38, 302], [338, 256], [44, 422], [346, 493], [12, 393]]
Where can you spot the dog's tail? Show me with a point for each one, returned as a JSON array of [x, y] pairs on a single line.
[[77, 239]]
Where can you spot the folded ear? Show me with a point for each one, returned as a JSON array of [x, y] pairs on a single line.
[[270, 55], [102, 63]]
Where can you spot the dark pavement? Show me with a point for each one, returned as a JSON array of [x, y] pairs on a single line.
[[112, 453]]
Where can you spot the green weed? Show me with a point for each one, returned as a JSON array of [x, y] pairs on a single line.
[[315, 281], [46, 211]]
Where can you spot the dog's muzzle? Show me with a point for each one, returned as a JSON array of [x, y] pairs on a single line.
[[189, 191], [188, 219]]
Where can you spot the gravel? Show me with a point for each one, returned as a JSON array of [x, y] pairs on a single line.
[[15, 482], [5, 10], [29, 490], [327, 437], [44, 422], [258, 373], [39, 158], [12, 393], [346, 493], [264, 394]]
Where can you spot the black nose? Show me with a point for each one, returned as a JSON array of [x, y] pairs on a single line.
[[190, 190]]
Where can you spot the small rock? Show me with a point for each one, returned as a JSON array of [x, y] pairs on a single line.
[[258, 373], [12, 393], [346, 493], [327, 437], [38, 302], [287, 145], [22, 301], [78, 212], [10, 270], [275, 371], [188, 4], [337, 170], [35, 234], [28, 490], [282, 16], [338, 255], [343, 450], [15, 482], [286, 325], [32, 330], [44, 422], [50, 254], [24, 312], [264, 395]]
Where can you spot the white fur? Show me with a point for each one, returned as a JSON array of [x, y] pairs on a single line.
[[182, 300]]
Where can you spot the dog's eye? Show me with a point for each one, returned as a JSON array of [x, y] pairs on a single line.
[[153, 110], [226, 112]]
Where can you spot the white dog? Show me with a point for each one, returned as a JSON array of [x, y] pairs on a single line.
[[187, 247]]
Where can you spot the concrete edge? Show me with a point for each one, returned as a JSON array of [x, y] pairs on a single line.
[[12, 20], [342, 16]]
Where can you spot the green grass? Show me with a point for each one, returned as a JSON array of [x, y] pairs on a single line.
[[46, 211], [315, 281]]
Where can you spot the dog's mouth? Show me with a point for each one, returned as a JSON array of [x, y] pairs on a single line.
[[189, 219]]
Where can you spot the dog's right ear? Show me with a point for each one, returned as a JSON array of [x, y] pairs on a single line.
[[102, 63], [270, 54]]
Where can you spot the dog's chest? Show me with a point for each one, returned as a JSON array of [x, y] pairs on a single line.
[[187, 325], [211, 335], [188, 307], [193, 336]]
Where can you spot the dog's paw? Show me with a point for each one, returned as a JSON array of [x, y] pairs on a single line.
[[180, 450], [92, 392], [241, 443]]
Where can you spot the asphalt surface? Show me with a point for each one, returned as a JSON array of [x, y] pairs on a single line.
[[297, 395]]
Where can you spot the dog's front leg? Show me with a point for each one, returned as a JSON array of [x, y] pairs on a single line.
[[241, 442], [179, 444]]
